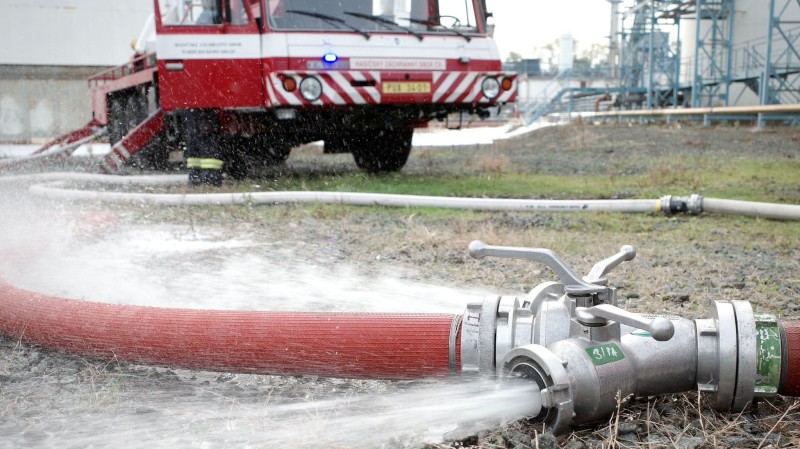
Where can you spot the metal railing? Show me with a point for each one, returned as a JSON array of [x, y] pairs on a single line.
[[136, 64]]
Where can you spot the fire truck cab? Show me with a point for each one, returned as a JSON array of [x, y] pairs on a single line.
[[258, 77]]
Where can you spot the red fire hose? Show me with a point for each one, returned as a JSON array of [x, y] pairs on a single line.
[[355, 345], [790, 377]]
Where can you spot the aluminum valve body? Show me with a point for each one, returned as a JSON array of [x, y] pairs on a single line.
[[586, 354]]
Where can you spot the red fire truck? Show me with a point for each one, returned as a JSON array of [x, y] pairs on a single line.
[[237, 83]]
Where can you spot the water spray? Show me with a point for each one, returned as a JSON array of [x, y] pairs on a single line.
[[583, 353]]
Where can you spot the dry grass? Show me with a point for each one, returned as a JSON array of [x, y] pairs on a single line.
[[685, 420], [671, 173], [583, 137], [494, 163]]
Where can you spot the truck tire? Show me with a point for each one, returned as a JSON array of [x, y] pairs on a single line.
[[117, 119], [136, 110], [153, 156], [383, 151], [249, 156], [126, 110]]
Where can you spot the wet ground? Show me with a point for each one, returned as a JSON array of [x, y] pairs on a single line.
[[328, 258]]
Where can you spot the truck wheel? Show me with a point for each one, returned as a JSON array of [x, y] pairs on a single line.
[[136, 110], [125, 112], [276, 153], [249, 156], [117, 119], [383, 151], [153, 155]]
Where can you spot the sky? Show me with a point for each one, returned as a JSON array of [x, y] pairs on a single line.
[[522, 25]]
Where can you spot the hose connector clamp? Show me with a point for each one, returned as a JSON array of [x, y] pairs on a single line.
[[673, 205]]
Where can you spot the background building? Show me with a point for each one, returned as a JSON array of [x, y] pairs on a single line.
[[49, 49]]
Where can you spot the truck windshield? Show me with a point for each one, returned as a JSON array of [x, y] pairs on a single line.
[[402, 16], [206, 12]]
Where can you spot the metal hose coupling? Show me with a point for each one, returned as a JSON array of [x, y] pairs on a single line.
[[673, 205], [586, 354]]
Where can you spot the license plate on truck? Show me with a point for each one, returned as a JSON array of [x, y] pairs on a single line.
[[391, 87]]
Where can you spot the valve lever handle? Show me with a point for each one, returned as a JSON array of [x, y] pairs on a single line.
[[479, 250], [660, 328], [574, 283], [601, 269]]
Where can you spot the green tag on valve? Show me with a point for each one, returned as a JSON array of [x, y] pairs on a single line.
[[607, 353], [768, 355]]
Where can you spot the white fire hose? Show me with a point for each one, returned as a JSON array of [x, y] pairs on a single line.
[[54, 186]]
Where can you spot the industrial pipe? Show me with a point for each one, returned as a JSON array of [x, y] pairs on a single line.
[[721, 110], [569, 337], [54, 187]]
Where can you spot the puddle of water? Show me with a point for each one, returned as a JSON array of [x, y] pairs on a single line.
[[171, 266], [159, 418]]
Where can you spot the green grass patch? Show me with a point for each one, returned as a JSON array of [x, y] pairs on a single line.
[[744, 179], [741, 179], [503, 185]]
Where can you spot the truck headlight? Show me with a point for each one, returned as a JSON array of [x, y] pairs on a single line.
[[490, 87], [310, 88]]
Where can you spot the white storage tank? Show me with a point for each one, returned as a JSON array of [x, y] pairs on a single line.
[[750, 28]]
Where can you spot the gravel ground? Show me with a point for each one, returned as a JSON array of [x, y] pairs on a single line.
[[683, 263]]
